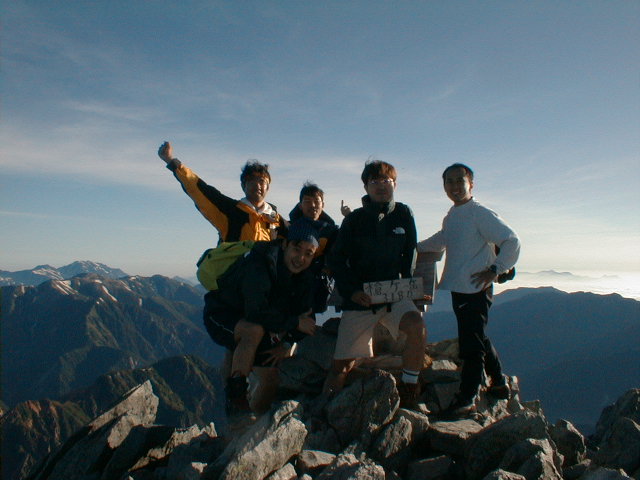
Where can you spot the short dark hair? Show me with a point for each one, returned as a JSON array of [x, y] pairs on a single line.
[[376, 169], [466, 169], [254, 168], [311, 189]]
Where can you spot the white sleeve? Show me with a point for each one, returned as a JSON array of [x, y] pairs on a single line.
[[435, 243], [496, 231]]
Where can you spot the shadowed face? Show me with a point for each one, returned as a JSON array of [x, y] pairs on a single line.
[[457, 186], [311, 206], [298, 255], [255, 189], [380, 189]]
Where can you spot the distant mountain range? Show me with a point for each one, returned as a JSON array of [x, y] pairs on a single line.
[[62, 334], [43, 273], [576, 352]]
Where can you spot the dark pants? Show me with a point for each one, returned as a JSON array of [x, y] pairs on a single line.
[[476, 350]]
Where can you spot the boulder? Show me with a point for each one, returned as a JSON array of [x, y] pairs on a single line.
[[569, 441], [287, 472], [621, 447], [628, 405], [486, 449], [363, 407], [266, 447], [434, 468], [391, 447], [534, 459], [87, 452], [452, 437], [312, 461], [348, 467], [503, 475]]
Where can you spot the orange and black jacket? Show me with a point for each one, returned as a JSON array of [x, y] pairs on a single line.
[[234, 220]]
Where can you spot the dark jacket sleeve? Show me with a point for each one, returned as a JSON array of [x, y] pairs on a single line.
[[409, 252], [345, 277]]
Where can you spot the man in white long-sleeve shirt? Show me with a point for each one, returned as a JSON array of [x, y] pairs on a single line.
[[470, 232]]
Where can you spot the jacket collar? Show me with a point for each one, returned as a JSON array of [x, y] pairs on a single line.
[[378, 208]]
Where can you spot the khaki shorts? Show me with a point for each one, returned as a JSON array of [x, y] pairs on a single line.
[[355, 333]]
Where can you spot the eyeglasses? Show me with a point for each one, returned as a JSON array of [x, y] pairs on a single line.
[[382, 181]]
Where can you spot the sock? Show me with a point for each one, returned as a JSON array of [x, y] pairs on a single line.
[[410, 376]]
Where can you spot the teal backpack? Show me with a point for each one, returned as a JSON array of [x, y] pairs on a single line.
[[215, 261]]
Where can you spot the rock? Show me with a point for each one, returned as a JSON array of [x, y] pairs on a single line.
[[301, 375], [180, 436], [363, 407], [88, 452], [569, 441], [348, 467], [285, 473], [602, 473], [441, 371], [139, 405], [621, 446], [533, 459], [485, 449], [574, 472], [429, 468], [265, 447], [452, 437], [312, 461], [139, 441], [391, 447], [628, 405], [419, 423], [503, 475]]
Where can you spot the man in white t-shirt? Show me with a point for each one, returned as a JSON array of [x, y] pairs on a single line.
[[470, 232]]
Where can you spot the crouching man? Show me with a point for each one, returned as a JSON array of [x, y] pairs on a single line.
[[263, 297]]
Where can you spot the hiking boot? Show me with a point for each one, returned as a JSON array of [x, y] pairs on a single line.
[[409, 397], [460, 407], [236, 401], [499, 389]]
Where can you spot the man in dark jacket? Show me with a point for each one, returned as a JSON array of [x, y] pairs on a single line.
[[376, 243], [260, 298], [311, 206]]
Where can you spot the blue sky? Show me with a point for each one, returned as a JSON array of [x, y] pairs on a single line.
[[541, 98]]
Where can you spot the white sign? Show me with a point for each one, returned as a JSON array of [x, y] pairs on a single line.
[[391, 291]]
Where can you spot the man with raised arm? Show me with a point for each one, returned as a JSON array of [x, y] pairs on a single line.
[[250, 218]]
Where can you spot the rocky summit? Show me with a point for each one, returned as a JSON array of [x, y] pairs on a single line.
[[360, 433]]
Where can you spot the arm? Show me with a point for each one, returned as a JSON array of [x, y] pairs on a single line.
[[347, 282], [496, 231], [409, 253], [435, 243], [209, 201]]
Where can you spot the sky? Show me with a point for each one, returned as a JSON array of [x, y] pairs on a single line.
[[541, 99]]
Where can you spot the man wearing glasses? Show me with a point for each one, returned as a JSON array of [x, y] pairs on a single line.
[[376, 243]]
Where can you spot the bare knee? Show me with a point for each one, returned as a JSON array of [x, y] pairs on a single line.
[[413, 325], [248, 332]]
